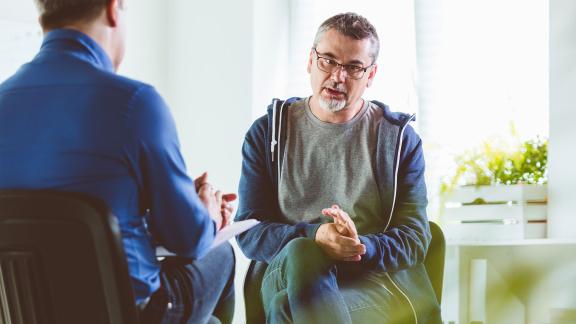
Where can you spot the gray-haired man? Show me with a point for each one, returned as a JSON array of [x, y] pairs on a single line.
[[337, 183]]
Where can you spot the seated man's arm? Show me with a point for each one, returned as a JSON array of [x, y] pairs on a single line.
[[259, 200], [405, 241], [177, 218]]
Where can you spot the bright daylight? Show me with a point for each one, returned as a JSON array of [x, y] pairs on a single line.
[[287, 161]]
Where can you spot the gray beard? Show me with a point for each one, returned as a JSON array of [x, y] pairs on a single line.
[[331, 105]]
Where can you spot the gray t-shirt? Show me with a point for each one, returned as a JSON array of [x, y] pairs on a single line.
[[326, 164]]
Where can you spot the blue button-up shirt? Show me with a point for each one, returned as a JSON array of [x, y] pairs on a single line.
[[69, 123]]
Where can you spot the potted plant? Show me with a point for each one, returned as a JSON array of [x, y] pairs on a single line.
[[496, 185]]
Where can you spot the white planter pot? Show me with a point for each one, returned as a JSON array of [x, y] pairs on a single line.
[[507, 213]]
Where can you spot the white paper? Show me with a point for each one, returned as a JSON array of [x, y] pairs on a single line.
[[221, 236], [232, 230]]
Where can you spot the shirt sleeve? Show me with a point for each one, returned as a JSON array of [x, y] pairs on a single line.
[[177, 219]]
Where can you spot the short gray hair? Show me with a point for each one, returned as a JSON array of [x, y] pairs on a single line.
[[352, 25]]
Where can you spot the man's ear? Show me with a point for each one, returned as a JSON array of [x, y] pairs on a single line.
[[310, 59], [112, 9], [371, 75]]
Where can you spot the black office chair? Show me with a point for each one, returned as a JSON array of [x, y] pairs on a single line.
[[434, 264], [61, 261], [434, 261]]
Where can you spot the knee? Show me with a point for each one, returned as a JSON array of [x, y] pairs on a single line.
[[302, 248], [304, 253], [225, 253]]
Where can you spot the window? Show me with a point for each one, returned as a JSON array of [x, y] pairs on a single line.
[[472, 70], [483, 71]]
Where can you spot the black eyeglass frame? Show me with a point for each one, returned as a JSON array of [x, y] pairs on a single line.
[[343, 66]]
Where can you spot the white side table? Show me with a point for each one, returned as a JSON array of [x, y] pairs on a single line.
[[519, 281]]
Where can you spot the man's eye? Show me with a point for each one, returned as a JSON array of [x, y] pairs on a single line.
[[330, 61], [354, 68]]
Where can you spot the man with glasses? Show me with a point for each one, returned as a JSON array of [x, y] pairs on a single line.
[[337, 183], [68, 122]]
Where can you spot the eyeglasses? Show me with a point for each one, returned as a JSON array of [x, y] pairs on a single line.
[[330, 65]]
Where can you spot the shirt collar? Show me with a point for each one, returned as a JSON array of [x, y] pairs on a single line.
[[78, 44]]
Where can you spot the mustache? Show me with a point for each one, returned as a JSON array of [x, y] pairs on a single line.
[[336, 86]]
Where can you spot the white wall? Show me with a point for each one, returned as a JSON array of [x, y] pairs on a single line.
[[20, 35], [146, 54], [209, 69], [270, 53], [562, 152], [200, 59]]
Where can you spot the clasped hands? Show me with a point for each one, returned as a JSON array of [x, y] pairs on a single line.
[[339, 239], [217, 203]]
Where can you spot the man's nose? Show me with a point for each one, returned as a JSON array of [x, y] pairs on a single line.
[[339, 75]]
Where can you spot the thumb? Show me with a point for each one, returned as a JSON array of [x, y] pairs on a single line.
[[202, 179]]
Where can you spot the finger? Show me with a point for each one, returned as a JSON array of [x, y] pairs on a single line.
[[226, 216], [355, 258], [226, 205], [346, 240], [345, 218], [327, 212], [341, 217], [218, 196], [227, 210], [359, 249], [334, 214], [202, 179], [337, 220], [340, 255], [340, 226], [205, 191], [355, 250], [229, 197], [334, 251]]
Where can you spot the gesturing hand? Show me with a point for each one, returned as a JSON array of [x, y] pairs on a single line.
[[339, 239], [200, 181], [211, 199], [344, 223], [226, 209], [218, 204]]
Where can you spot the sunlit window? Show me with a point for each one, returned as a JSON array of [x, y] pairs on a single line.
[[482, 76], [471, 70]]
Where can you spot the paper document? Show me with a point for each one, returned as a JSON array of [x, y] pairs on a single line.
[[221, 236], [232, 230]]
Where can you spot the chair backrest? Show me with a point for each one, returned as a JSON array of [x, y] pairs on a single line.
[[434, 261], [434, 264], [252, 300], [61, 261]]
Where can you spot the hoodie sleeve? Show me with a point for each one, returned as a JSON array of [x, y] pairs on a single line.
[[405, 241], [259, 200]]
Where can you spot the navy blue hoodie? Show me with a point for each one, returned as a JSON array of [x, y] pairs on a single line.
[[397, 245]]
